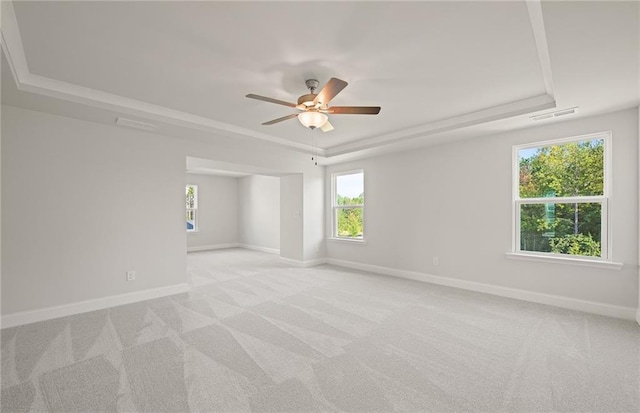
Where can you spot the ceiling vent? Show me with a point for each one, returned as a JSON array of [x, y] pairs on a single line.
[[556, 114], [136, 124]]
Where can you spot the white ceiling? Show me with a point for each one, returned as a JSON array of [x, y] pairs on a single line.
[[438, 69]]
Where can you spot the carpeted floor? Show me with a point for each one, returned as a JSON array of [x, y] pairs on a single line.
[[257, 335]]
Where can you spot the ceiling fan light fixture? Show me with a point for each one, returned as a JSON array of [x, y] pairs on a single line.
[[312, 119]]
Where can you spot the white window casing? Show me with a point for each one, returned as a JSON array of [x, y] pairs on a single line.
[[335, 208], [604, 200]]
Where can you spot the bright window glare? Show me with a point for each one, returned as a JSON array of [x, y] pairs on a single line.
[[351, 185], [527, 153]]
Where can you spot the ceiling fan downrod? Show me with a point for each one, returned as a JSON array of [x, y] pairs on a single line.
[[312, 85]]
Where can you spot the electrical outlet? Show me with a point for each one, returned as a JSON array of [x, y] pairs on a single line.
[[131, 275], [435, 261]]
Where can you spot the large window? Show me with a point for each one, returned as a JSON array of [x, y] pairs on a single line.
[[561, 197], [348, 205], [192, 207]]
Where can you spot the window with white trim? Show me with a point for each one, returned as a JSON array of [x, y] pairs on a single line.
[[348, 205], [561, 197], [192, 207]]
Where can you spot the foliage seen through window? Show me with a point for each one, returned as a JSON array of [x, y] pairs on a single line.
[[561, 197]]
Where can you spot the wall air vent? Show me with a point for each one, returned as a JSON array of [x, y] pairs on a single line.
[[136, 124], [556, 114]]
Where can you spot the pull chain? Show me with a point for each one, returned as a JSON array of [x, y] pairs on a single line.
[[314, 154]]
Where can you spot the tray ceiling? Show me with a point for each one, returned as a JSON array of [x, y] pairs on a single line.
[[432, 66]]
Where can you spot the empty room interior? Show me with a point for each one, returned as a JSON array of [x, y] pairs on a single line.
[[184, 225]]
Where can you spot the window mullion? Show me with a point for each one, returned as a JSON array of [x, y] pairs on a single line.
[[562, 200]]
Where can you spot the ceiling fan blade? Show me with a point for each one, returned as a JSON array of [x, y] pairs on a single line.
[[327, 127], [354, 110], [271, 100], [330, 90], [271, 122]]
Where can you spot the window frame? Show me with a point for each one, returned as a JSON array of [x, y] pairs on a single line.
[[195, 209], [335, 207], [604, 200]]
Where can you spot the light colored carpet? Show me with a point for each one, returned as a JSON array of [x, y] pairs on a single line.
[[255, 334]]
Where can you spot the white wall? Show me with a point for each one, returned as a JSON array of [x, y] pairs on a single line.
[[313, 207], [291, 207], [453, 201], [90, 201], [301, 202], [217, 211], [87, 203], [131, 209], [259, 212], [0, 214]]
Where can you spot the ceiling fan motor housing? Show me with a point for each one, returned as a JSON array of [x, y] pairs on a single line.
[[307, 100]]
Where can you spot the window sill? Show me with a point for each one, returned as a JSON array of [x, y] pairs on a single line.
[[349, 241], [192, 231], [584, 262]]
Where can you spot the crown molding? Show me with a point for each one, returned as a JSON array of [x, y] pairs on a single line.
[[507, 110], [96, 98], [534, 7], [26, 81], [469, 119], [12, 42], [14, 51]]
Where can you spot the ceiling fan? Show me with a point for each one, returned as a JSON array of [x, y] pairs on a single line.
[[314, 106]]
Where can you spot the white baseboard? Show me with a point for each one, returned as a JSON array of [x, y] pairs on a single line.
[[261, 249], [213, 247], [610, 310], [234, 245], [28, 317], [304, 264]]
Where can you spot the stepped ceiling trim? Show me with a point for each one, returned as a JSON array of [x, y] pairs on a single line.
[[14, 51]]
